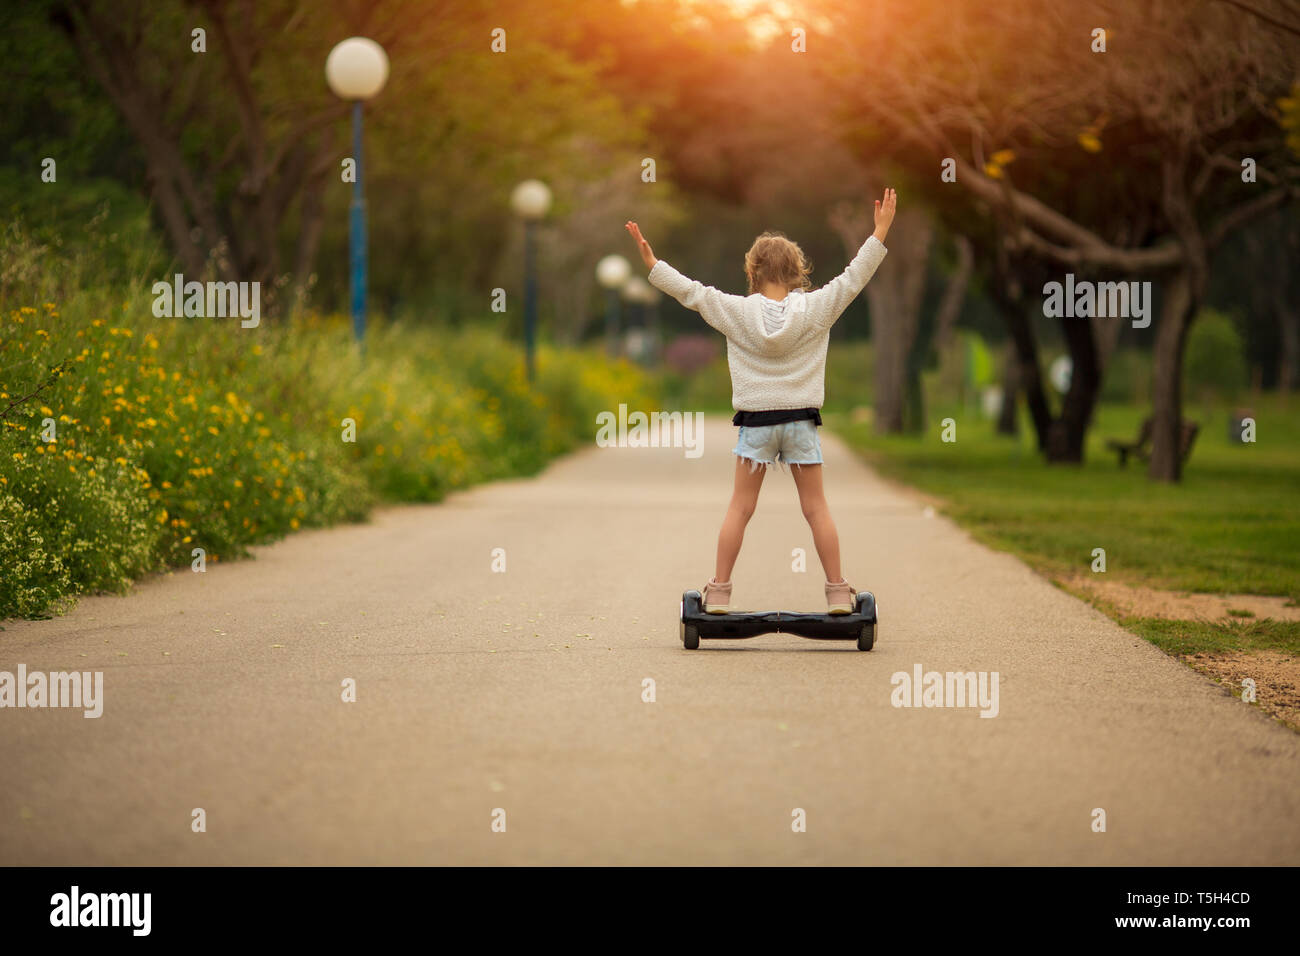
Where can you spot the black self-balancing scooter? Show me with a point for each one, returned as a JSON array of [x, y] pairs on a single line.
[[859, 625]]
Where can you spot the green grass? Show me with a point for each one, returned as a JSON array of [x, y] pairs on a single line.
[[1213, 637], [1230, 526]]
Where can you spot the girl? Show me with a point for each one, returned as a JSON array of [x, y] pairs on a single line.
[[776, 351]]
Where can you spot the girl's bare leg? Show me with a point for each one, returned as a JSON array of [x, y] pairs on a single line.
[[808, 479], [744, 498]]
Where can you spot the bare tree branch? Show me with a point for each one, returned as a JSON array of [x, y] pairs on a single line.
[[1289, 28]]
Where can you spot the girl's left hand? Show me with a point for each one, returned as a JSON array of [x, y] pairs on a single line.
[[885, 214], [643, 247]]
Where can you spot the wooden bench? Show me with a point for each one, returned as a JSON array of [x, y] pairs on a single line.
[[1140, 448]]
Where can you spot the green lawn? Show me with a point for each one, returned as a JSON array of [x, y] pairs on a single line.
[[1232, 525], [1214, 637]]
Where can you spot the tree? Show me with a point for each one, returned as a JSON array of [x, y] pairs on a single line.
[[224, 165], [241, 145], [894, 295], [1182, 93]]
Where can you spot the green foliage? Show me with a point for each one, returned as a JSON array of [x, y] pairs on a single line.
[[708, 389], [85, 529], [981, 368], [1127, 377], [35, 577], [178, 434], [67, 235], [455, 133], [454, 129], [1215, 360], [850, 371], [54, 108]]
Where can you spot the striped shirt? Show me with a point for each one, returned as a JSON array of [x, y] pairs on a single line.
[[774, 314]]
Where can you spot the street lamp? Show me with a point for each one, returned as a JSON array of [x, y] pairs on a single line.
[[611, 273], [530, 201], [640, 294], [356, 70], [652, 297]]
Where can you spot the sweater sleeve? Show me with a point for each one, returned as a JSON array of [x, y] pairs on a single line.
[[828, 303], [721, 310]]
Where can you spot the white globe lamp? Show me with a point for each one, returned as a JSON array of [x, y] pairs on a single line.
[[530, 200], [356, 69]]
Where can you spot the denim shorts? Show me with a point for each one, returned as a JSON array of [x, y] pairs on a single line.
[[793, 443]]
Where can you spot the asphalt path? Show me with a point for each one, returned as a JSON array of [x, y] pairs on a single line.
[[502, 716]]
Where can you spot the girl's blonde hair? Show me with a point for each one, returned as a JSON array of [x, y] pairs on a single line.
[[775, 259]]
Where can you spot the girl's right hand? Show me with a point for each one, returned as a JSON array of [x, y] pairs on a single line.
[[643, 247]]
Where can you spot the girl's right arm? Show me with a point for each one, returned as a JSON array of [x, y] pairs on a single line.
[[719, 309]]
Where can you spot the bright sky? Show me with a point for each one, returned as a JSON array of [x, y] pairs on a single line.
[[784, 14]]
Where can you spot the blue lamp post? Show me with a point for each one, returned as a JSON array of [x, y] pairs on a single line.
[[643, 338], [530, 201], [356, 70], [611, 273], [639, 296]]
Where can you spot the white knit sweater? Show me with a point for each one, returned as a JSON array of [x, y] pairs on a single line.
[[786, 369]]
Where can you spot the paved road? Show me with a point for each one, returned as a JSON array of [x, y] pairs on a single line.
[[523, 691]]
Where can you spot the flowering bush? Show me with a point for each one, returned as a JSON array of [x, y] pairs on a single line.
[[125, 445]]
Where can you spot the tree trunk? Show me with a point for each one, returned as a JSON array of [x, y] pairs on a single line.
[[1067, 433], [1288, 362], [954, 294], [1030, 379], [890, 371], [234, 237], [894, 297], [175, 221], [1286, 292], [1184, 290], [1167, 385], [1106, 332], [1060, 439], [1008, 419], [914, 412], [311, 216]]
